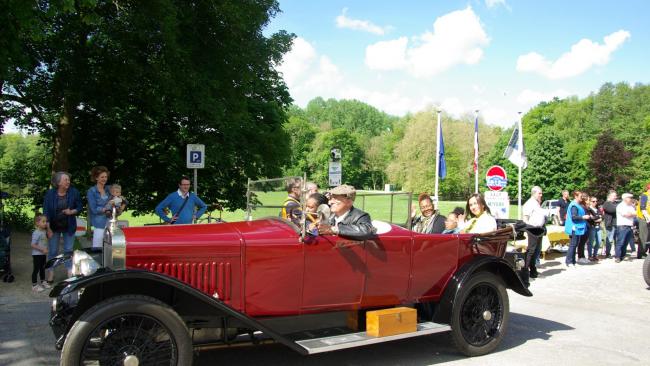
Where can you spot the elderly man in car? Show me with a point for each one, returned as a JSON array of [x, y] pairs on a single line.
[[346, 221]]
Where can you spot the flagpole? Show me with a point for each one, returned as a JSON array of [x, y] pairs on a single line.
[[476, 152], [520, 143], [437, 156]]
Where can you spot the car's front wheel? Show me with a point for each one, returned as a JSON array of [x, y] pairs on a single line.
[[128, 330], [480, 314], [646, 270]]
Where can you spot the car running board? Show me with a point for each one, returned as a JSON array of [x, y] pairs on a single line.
[[337, 342]]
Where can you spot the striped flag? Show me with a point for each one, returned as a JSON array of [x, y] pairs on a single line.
[[442, 167], [476, 145]]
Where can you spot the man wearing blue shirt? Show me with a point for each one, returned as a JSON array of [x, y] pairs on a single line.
[[182, 204]]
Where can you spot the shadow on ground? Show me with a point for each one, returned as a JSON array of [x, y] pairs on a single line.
[[426, 350]]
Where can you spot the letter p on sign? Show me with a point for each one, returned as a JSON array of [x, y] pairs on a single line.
[[195, 156]]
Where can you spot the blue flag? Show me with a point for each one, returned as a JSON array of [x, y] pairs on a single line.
[[442, 166]]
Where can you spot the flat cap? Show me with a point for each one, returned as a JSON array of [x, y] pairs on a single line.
[[627, 195], [343, 190]]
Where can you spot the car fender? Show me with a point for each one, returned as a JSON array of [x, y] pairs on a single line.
[[496, 265], [187, 301]]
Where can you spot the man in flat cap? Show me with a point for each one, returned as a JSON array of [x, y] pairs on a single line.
[[347, 221]]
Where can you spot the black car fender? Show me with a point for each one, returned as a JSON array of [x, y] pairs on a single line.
[[198, 309], [496, 265]]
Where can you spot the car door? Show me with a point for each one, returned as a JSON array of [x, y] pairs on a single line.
[[388, 259], [335, 271]]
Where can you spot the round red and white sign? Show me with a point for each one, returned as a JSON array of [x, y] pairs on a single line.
[[496, 178]]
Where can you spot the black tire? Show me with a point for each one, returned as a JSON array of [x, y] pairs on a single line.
[[480, 314], [128, 326], [646, 270]]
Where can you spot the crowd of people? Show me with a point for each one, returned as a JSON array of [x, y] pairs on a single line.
[[62, 204], [332, 213], [625, 223]]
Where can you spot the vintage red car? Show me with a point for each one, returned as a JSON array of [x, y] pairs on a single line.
[[166, 289]]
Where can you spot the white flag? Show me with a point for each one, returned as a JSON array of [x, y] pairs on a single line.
[[516, 152]]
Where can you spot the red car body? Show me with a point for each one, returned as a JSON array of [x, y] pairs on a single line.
[[227, 280], [261, 267]]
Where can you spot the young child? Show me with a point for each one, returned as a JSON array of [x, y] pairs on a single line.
[[116, 201], [39, 253]]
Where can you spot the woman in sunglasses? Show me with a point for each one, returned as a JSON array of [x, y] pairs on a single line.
[[595, 231]]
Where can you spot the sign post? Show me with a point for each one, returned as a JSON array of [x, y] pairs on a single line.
[[497, 199], [195, 160], [335, 169]]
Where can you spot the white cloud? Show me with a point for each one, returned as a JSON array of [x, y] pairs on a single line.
[[310, 74], [529, 98], [582, 56], [390, 102], [296, 62], [342, 21], [387, 55], [495, 3], [457, 38], [453, 106], [307, 74]]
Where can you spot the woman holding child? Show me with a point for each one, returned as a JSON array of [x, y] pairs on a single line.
[[98, 197]]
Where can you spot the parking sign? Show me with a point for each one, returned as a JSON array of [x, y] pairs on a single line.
[[195, 156]]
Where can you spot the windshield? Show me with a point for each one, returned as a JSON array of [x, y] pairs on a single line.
[[276, 198]]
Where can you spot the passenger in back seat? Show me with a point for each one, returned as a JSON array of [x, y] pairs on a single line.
[[429, 222]]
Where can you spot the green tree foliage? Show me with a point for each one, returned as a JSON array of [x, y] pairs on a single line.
[[352, 115], [128, 84], [573, 128], [609, 165], [303, 136], [413, 165], [547, 165], [24, 172], [369, 138], [351, 162]]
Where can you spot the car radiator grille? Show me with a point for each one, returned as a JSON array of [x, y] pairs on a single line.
[[212, 278]]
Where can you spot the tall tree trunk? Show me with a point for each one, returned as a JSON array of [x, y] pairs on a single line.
[[63, 138]]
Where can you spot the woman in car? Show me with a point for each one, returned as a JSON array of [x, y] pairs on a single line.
[[480, 218]]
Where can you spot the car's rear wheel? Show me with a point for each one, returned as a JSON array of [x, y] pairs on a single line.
[[646, 270], [480, 314], [132, 329]]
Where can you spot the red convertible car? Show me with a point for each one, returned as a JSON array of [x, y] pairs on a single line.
[[164, 290]]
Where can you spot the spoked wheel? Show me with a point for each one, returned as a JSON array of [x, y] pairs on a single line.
[[646, 270], [128, 330], [480, 315]]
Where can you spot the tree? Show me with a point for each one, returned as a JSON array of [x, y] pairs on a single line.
[[414, 163], [609, 165], [129, 84], [302, 135], [547, 165], [351, 162]]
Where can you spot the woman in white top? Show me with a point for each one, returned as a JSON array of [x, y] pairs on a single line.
[[480, 218]]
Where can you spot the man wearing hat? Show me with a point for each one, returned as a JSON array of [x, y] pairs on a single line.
[[625, 213], [347, 221]]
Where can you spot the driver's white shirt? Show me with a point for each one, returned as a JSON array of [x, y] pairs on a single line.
[[338, 219]]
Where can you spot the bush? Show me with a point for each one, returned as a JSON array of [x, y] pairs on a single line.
[[17, 213]]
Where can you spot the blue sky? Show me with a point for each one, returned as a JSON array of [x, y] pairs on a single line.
[[498, 56]]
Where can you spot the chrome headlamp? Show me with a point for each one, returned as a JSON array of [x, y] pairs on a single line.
[[83, 264]]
